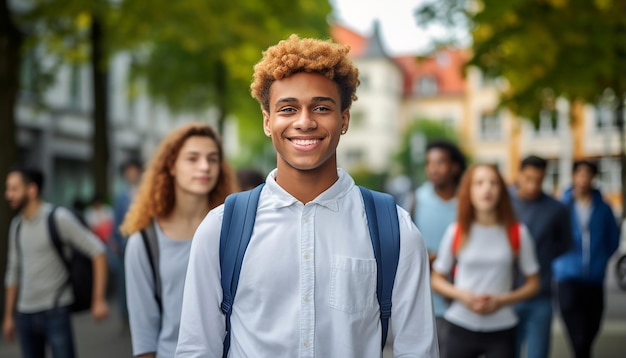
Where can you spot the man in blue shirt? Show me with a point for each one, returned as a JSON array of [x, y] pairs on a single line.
[[548, 222], [435, 206]]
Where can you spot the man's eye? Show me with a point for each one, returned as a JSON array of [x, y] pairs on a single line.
[[287, 109]]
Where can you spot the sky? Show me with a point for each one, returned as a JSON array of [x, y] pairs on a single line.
[[401, 35]]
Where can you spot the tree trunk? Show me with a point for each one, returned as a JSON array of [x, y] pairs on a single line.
[[11, 40], [100, 159], [222, 90]]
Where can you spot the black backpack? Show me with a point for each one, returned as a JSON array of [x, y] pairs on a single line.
[[78, 265]]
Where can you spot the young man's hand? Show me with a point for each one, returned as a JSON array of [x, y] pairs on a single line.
[[99, 309], [8, 329]]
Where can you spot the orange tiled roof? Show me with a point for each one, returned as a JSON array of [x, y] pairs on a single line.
[[445, 65], [346, 36]]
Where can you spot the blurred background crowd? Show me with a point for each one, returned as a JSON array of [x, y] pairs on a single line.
[[89, 88]]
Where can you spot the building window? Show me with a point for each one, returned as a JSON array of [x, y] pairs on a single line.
[[426, 86], [490, 126], [75, 87], [443, 59], [548, 123], [610, 174], [604, 117], [28, 71]]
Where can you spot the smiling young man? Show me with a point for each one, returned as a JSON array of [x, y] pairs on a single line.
[[307, 286]]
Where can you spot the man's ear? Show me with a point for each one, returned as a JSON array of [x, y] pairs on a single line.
[[266, 124], [345, 120], [32, 191]]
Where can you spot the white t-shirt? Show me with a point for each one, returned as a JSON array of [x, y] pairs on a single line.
[[485, 266]]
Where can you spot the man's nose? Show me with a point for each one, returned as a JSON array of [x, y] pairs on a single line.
[[305, 121]]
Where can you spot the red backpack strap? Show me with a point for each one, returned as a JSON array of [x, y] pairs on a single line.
[[456, 239], [514, 232], [456, 245]]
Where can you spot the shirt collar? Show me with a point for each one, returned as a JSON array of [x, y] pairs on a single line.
[[43, 211], [329, 198]]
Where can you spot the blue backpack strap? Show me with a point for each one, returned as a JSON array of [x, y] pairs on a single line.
[[384, 228], [237, 225]]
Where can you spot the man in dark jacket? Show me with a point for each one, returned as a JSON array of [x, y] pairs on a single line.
[[580, 272]]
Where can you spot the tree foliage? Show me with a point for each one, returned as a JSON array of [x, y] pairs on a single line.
[[544, 48], [190, 55], [201, 54]]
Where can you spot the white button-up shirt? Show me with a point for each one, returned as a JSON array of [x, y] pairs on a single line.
[[308, 284]]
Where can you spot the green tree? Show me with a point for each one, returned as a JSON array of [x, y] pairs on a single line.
[[204, 58], [191, 54], [575, 49]]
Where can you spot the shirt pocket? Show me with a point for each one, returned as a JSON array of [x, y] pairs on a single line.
[[352, 284]]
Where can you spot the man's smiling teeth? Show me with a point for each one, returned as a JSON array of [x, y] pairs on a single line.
[[305, 141]]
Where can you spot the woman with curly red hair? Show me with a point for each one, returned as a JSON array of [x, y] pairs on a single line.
[[481, 250], [186, 178]]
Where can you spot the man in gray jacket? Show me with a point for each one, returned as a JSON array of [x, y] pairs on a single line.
[[41, 315]]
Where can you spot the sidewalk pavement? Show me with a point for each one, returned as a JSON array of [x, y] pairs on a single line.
[[610, 343], [109, 339], [104, 339]]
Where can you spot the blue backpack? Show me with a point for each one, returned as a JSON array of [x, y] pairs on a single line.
[[238, 223]]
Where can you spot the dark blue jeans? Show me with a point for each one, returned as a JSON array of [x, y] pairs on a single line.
[[534, 328], [52, 327]]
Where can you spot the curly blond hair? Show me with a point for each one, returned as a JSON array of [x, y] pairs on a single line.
[[295, 55], [156, 196]]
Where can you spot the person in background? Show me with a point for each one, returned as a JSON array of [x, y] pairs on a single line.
[[37, 298], [131, 171], [100, 219], [580, 272], [187, 177], [435, 208], [249, 178], [481, 319], [548, 221], [308, 281]]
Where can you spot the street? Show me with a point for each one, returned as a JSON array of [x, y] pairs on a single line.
[[107, 339]]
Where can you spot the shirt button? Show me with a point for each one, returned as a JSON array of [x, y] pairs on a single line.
[[306, 219], [307, 256], [307, 344], [307, 298]]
